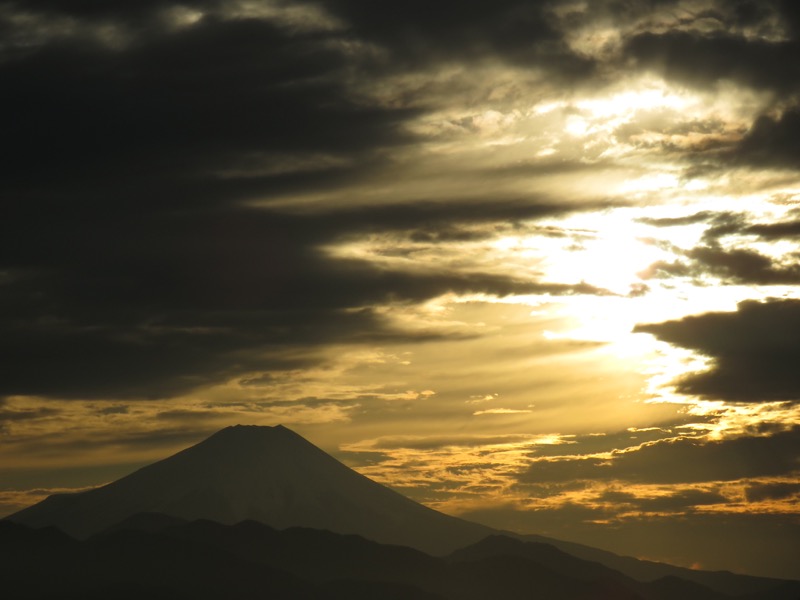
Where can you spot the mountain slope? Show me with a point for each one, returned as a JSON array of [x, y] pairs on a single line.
[[724, 582], [131, 564], [210, 561], [266, 474], [562, 563], [203, 560], [272, 476]]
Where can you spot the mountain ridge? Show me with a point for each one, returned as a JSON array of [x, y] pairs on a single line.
[[204, 560], [267, 474], [273, 476]]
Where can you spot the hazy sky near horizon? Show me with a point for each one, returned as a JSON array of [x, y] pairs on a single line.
[[533, 263]]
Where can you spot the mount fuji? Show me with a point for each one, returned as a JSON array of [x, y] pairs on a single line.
[[266, 510], [266, 474]]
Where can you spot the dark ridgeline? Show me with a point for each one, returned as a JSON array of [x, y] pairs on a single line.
[[220, 520], [266, 474], [205, 560]]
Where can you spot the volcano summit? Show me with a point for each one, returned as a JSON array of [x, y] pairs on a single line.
[[265, 474]]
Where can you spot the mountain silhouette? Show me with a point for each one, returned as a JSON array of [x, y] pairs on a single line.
[[324, 557], [131, 564], [204, 560], [261, 512], [724, 582], [266, 474], [600, 576]]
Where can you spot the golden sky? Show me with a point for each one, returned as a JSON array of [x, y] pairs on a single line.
[[531, 263]]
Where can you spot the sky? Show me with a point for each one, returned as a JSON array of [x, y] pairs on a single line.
[[535, 264]]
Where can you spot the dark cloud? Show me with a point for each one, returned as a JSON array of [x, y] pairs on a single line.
[[100, 9], [629, 438], [157, 122], [771, 491], [119, 357], [776, 231], [679, 460], [734, 266], [130, 267], [744, 13], [29, 414], [408, 35], [772, 141], [744, 266], [417, 33], [722, 224], [754, 350], [30, 478], [186, 415], [128, 264], [790, 12], [702, 60], [163, 440], [175, 302], [700, 217], [675, 502]]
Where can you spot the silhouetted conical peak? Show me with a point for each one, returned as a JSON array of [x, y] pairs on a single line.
[[266, 474]]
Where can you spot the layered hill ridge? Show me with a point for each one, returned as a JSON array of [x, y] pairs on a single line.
[[271, 479], [204, 560], [266, 474]]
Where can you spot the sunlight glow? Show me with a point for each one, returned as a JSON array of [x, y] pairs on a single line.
[[650, 183], [652, 95]]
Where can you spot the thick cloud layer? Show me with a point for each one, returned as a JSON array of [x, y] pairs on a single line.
[[773, 141], [133, 147], [681, 460], [417, 32], [131, 266], [754, 351]]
